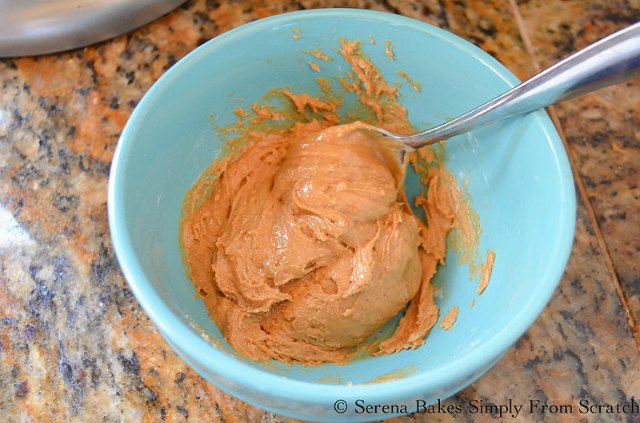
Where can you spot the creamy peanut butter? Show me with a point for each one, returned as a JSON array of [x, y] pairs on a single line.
[[306, 244]]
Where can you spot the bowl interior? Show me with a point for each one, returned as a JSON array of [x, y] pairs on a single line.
[[516, 173]]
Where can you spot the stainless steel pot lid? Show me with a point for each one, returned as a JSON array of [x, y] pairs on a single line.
[[30, 27]]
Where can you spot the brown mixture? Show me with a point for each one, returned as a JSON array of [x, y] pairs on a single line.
[[306, 245]]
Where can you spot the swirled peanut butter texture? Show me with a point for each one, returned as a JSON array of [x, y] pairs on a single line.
[[306, 245]]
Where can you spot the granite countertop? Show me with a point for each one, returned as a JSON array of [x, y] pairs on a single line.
[[74, 344]]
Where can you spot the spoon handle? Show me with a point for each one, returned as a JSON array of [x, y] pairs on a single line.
[[613, 59]]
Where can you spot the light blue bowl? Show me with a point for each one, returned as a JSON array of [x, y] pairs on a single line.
[[517, 173]]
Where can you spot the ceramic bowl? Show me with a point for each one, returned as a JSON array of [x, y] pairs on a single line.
[[516, 173]]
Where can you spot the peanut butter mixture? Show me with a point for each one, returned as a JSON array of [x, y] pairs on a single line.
[[306, 245]]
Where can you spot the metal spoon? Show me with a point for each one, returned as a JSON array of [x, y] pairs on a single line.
[[613, 59]]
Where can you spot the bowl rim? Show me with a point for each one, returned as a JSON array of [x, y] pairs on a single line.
[[270, 384]]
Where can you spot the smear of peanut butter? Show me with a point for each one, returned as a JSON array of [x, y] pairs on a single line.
[[466, 223], [324, 84], [332, 379], [487, 268], [414, 84], [300, 239], [389, 50], [264, 111], [319, 55], [394, 375], [450, 318], [241, 114]]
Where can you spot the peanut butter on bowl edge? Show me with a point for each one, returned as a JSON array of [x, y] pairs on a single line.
[[301, 241], [450, 318], [487, 268]]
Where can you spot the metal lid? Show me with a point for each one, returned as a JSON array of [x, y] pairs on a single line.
[[30, 27]]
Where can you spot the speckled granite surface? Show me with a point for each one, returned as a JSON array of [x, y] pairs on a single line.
[[602, 128], [74, 345]]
